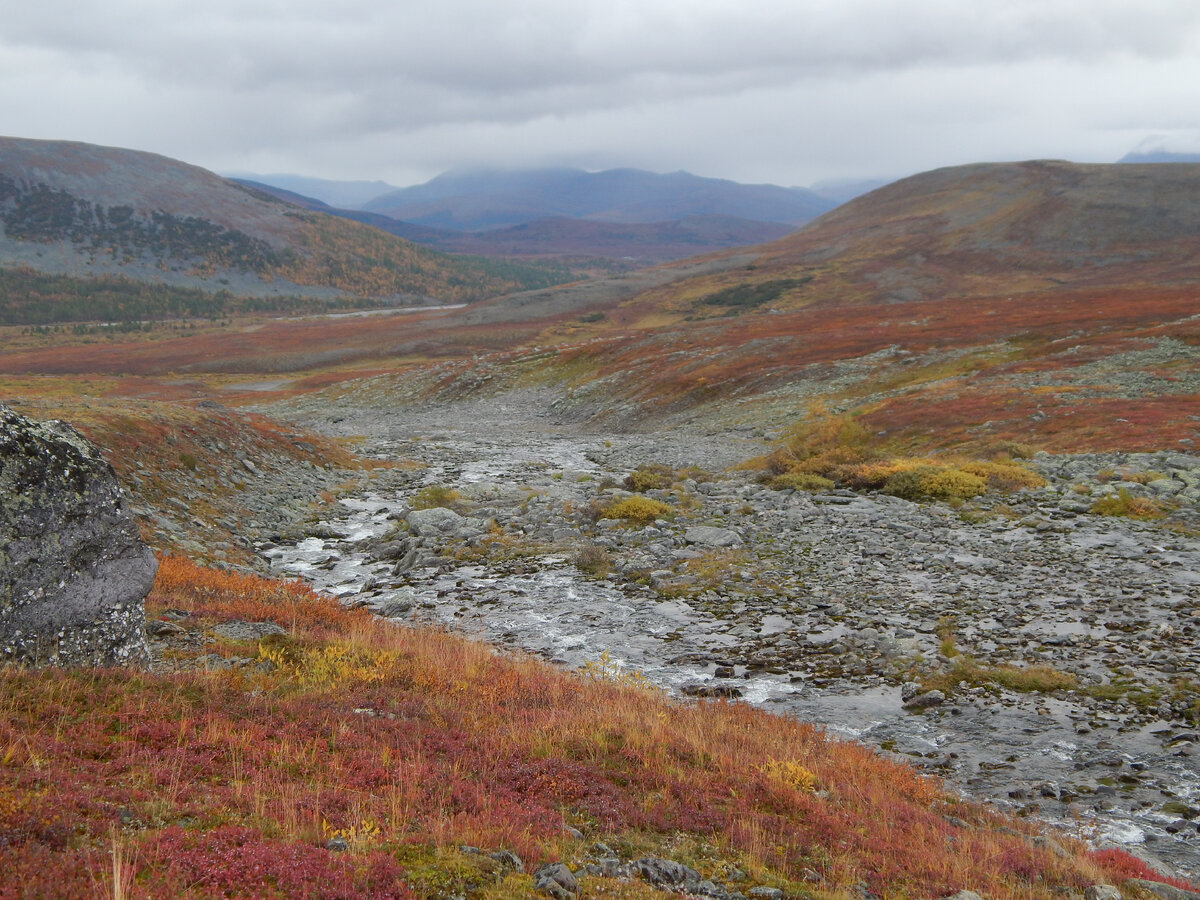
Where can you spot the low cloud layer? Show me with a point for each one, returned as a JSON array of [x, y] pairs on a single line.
[[789, 92]]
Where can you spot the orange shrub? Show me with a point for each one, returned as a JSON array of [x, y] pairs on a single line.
[[224, 596]]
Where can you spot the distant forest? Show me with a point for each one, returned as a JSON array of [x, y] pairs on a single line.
[[28, 297]]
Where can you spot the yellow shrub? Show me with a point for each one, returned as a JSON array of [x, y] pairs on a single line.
[[608, 669], [1142, 477], [829, 460], [823, 431], [801, 481], [357, 835], [638, 509], [1004, 476], [952, 484], [435, 495], [1124, 504], [870, 476], [839, 449], [790, 773], [933, 482], [329, 664], [647, 478]]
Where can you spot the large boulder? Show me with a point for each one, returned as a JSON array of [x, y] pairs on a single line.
[[73, 569]]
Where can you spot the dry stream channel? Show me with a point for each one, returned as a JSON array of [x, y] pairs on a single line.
[[816, 606]]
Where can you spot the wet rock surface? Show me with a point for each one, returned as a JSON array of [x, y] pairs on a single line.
[[73, 569], [836, 608]]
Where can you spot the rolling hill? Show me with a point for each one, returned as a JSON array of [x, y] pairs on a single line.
[[81, 211], [1043, 304], [981, 230]]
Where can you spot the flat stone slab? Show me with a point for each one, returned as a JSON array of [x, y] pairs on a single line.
[[712, 536]]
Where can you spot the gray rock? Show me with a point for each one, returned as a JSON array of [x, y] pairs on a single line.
[[925, 701], [711, 536], [73, 569], [212, 662], [704, 689], [666, 872], [606, 867], [510, 860], [247, 631], [388, 551], [1166, 891], [400, 603], [964, 895], [163, 629], [1102, 892], [435, 521], [556, 880]]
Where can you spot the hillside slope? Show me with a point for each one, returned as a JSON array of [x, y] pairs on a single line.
[[993, 229], [80, 210], [350, 758], [1046, 303]]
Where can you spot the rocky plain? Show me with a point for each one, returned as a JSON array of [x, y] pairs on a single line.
[[1030, 652]]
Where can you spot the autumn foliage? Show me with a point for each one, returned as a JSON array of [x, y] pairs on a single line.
[[407, 743]]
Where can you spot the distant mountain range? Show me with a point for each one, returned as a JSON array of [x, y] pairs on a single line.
[[1159, 156], [485, 199], [565, 237], [79, 210], [621, 214], [338, 194]]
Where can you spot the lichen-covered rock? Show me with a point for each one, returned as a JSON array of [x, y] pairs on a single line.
[[73, 569]]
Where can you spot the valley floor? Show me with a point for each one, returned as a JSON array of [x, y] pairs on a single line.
[[1064, 643]]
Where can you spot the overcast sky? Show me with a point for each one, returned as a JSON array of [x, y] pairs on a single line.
[[784, 91]]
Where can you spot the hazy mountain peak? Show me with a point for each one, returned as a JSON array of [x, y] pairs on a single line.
[[341, 194], [480, 199]]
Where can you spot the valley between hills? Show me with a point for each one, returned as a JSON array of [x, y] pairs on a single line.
[[922, 473]]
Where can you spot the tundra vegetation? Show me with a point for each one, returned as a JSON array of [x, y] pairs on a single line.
[[345, 756], [348, 757]]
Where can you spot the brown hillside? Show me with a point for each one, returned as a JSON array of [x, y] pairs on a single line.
[[76, 209], [981, 230]]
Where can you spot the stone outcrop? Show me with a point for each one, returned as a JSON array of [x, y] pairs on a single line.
[[73, 569]]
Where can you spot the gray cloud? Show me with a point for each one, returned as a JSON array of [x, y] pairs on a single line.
[[775, 90]]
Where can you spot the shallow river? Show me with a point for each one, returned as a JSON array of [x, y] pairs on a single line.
[[987, 748]]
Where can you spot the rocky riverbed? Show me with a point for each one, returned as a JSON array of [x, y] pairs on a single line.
[[837, 608]]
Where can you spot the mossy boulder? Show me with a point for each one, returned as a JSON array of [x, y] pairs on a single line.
[[73, 570]]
